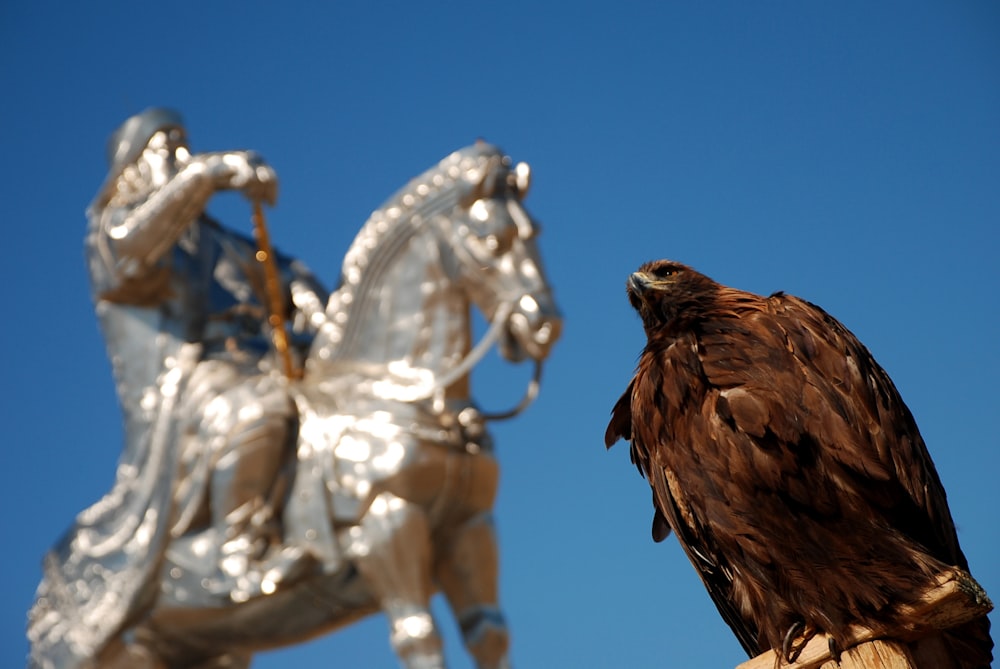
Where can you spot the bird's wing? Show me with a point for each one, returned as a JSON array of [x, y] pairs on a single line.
[[854, 412], [801, 386], [666, 384], [620, 427], [713, 570]]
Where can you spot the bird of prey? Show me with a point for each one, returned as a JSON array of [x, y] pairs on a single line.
[[784, 460]]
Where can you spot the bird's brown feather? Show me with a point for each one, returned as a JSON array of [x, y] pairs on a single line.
[[785, 461]]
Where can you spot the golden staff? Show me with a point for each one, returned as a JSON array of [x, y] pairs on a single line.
[[272, 289]]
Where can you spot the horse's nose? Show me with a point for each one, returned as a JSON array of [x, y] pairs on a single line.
[[536, 327]]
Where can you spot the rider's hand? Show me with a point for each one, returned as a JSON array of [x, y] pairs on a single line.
[[245, 171]]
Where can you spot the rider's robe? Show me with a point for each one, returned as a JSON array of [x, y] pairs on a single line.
[[200, 301]]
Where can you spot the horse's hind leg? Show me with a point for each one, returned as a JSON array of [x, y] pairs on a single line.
[[391, 549], [467, 573]]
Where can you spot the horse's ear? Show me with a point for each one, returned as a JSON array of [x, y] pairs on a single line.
[[522, 179]]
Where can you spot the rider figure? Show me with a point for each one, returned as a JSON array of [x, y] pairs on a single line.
[[209, 423]]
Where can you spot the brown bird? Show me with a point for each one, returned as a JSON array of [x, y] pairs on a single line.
[[786, 463]]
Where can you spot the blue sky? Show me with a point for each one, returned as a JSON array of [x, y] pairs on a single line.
[[846, 152]]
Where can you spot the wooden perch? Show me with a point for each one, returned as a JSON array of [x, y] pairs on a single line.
[[955, 599]]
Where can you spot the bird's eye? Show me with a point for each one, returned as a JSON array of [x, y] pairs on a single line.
[[664, 272]]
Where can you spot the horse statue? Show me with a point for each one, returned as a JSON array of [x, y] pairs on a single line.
[[394, 477]]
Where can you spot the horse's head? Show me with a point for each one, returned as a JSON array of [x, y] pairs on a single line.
[[457, 234], [493, 245]]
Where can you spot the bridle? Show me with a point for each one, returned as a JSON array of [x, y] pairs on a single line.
[[397, 391], [435, 390]]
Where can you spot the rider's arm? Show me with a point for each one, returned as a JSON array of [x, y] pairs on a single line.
[[139, 236]]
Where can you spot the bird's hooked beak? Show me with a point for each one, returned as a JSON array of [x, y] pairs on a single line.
[[643, 291], [640, 282]]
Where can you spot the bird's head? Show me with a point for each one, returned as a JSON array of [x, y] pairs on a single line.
[[661, 290]]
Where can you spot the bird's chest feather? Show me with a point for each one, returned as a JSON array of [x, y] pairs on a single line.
[[669, 394], [708, 438]]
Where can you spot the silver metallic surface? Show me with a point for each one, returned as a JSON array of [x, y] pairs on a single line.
[[250, 510]]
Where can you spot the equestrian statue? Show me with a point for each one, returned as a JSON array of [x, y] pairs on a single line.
[[294, 458]]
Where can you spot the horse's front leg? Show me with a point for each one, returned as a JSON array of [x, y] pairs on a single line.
[[467, 572], [392, 551]]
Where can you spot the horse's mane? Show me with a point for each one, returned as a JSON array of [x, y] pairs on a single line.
[[385, 233]]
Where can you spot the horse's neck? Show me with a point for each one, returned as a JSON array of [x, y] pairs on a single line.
[[397, 314], [400, 319], [412, 319]]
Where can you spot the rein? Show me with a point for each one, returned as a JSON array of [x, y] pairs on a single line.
[[471, 359], [272, 288], [530, 393]]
